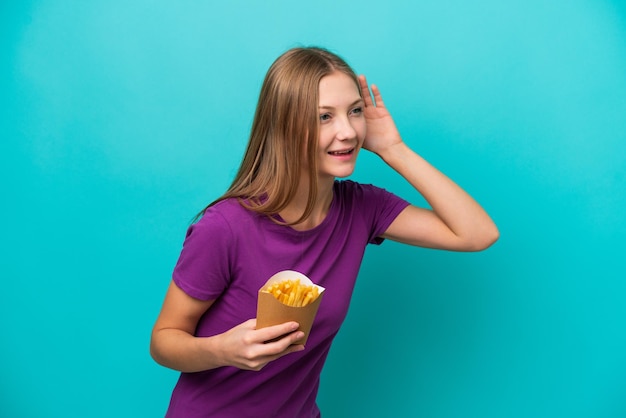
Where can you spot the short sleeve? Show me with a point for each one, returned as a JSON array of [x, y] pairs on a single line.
[[203, 267], [383, 208]]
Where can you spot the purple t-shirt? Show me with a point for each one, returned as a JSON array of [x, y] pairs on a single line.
[[229, 254]]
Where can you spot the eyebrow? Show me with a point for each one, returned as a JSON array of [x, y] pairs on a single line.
[[357, 101]]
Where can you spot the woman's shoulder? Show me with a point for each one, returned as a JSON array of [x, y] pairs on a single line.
[[354, 189], [224, 221], [229, 210], [365, 196]]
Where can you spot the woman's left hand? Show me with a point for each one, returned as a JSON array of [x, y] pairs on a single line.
[[381, 129]]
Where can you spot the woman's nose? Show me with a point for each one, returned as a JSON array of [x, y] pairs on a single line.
[[345, 130]]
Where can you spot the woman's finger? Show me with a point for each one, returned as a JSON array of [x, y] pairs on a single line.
[[378, 98], [365, 91], [275, 331]]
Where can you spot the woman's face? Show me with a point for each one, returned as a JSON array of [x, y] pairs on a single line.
[[342, 125]]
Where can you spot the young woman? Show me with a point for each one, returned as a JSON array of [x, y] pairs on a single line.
[[285, 210]]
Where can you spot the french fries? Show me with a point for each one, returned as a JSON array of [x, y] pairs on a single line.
[[292, 292]]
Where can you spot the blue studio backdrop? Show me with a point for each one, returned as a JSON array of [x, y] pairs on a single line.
[[119, 120]]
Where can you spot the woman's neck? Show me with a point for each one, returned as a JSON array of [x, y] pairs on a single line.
[[296, 207]]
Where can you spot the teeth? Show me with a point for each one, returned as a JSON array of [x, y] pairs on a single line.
[[340, 152]]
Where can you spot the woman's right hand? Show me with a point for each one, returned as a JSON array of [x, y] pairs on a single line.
[[174, 344], [248, 348]]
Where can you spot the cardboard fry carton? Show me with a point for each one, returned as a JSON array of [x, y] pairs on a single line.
[[270, 311]]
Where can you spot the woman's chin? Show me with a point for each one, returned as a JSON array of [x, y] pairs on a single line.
[[340, 174]]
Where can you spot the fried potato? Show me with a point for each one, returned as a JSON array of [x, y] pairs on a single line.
[[292, 292]]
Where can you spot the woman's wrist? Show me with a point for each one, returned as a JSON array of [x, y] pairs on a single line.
[[208, 352], [394, 154]]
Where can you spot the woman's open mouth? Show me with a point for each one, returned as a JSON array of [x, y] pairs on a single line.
[[342, 153]]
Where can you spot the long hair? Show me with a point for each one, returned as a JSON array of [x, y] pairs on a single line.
[[284, 133]]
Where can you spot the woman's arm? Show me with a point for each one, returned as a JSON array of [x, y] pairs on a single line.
[[456, 221], [174, 345]]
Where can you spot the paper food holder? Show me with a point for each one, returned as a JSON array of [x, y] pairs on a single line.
[[270, 311]]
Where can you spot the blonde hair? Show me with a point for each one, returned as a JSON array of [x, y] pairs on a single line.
[[285, 132]]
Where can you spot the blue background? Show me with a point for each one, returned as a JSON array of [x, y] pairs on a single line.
[[121, 119]]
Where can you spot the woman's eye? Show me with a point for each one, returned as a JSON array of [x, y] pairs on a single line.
[[324, 117], [357, 111]]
